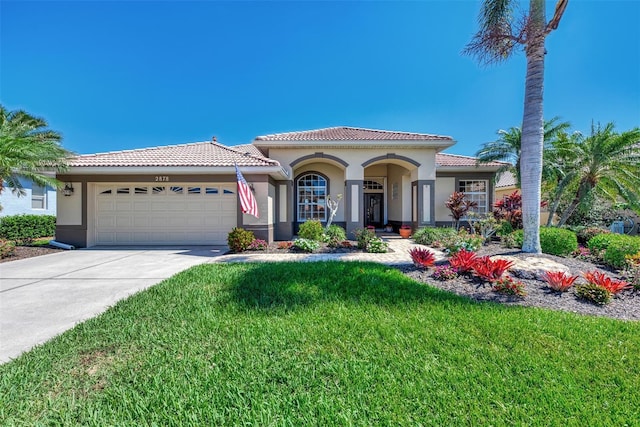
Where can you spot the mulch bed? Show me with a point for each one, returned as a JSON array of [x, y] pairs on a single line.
[[23, 252]]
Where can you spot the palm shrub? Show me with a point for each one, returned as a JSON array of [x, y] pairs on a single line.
[[240, 239], [558, 241], [311, 230]]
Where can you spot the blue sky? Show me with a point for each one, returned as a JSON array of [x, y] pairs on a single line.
[[134, 74]]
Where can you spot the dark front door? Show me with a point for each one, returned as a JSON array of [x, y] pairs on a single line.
[[373, 214]]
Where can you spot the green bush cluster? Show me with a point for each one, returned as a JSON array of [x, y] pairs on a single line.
[[428, 235], [613, 248], [584, 234], [240, 239], [377, 246], [311, 230], [462, 240], [307, 245], [595, 293], [23, 229], [363, 237], [334, 236], [557, 241]]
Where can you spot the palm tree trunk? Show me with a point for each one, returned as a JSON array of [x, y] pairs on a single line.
[[533, 129], [583, 190]]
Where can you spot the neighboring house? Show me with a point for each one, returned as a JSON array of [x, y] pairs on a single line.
[[186, 194], [38, 200], [506, 185]]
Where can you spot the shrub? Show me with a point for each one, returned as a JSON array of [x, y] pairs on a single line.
[[613, 248], [363, 237], [377, 246], [463, 261], [557, 241], [258, 245], [239, 239], [334, 236], [594, 293], [462, 240], [612, 285], [559, 281], [311, 230], [504, 228], [444, 272], [7, 247], [422, 258], [510, 210], [513, 239], [632, 270], [510, 286], [428, 235], [306, 245], [23, 229]]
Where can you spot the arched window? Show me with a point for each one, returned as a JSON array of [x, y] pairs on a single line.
[[311, 193]]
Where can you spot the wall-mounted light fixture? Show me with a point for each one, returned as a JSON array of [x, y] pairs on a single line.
[[68, 189]]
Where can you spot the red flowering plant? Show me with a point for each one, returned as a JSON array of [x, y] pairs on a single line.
[[559, 281], [600, 279], [491, 270], [510, 286], [422, 258], [463, 261]]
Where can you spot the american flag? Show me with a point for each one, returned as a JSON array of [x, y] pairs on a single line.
[[248, 202]]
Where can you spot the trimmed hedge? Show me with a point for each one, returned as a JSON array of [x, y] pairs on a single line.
[[553, 240], [558, 241], [427, 235], [25, 228], [615, 247]]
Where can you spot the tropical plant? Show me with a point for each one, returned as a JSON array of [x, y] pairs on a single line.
[[594, 293], [422, 258], [491, 270], [507, 147], [463, 261], [509, 286], [28, 149], [559, 281], [459, 205], [444, 272], [500, 32], [606, 164], [612, 285], [509, 208]]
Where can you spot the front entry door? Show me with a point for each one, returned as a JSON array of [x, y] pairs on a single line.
[[373, 214]]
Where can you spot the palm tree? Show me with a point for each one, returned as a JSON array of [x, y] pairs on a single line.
[[500, 32], [28, 149], [606, 163], [507, 147]]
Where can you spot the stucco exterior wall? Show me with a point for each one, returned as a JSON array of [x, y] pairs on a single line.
[[17, 205], [444, 188], [336, 184], [395, 195]]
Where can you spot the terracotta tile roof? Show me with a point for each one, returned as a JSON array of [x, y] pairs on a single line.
[[506, 179], [345, 133], [445, 160], [195, 154], [248, 148]]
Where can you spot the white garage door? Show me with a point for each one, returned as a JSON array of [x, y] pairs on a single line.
[[176, 214]]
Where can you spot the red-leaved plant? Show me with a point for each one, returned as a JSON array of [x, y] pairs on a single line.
[[559, 281], [422, 258], [510, 286], [612, 285], [463, 261], [491, 270]]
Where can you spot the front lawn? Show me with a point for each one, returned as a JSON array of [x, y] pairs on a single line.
[[325, 344]]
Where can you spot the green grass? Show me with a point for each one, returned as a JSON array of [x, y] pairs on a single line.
[[325, 344]]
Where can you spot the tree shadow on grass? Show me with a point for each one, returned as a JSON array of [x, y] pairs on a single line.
[[290, 286]]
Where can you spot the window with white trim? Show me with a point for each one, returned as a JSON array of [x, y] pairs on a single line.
[[475, 191], [311, 197], [38, 197]]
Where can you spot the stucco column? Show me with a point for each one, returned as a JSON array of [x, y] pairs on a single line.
[[423, 204], [284, 219], [354, 199]]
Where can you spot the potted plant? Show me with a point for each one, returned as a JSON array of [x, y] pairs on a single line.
[[405, 231]]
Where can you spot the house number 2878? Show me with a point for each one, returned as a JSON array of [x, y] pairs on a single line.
[[162, 178]]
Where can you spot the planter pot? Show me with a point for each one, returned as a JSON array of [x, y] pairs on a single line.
[[405, 233]]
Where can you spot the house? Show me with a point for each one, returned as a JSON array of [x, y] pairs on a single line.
[[186, 194], [507, 185], [37, 200]]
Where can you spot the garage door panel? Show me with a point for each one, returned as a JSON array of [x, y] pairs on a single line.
[[139, 214]]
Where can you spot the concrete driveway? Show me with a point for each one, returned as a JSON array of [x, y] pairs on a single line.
[[44, 296]]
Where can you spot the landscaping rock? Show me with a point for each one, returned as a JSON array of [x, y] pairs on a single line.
[[532, 267]]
